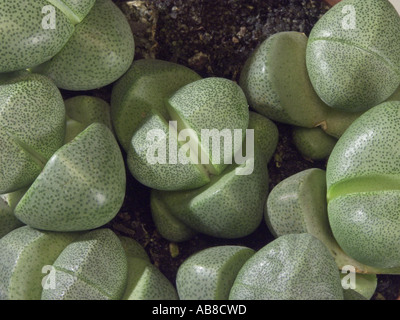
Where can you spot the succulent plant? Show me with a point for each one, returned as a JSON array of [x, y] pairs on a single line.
[[82, 111], [209, 274], [151, 95], [63, 174], [313, 143], [145, 87], [163, 173], [145, 281], [353, 54], [362, 181], [32, 128], [296, 266], [23, 254], [89, 46], [206, 104], [298, 205], [81, 187], [209, 104], [230, 206], [94, 265], [276, 83], [8, 221], [292, 267]]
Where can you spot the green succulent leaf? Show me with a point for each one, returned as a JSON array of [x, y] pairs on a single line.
[[353, 54], [8, 221], [298, 205], [146, 282], [99, 52], [82, 111], [82, 187], [363, 188], [292, 267], [163, 174], [277, 85], [209, 274], [94, 266], [313, 143], [144, 88], [24, 253], [32, 128], [25, 43]]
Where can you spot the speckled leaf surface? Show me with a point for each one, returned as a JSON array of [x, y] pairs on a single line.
[[277, 85], [144, 87], [82, 186], [163, 173], [75, 10], [362, 178], [100, 51], [82, 111], [92, 267], [210, 273], [230, 206], [292, 267], [298, 205], [8, 221], [367, 151], [23, 254], [353, 54], [32, 128], [209, 104], [313, 143], [367, 226], [266, 134], [25, 43], [146, 282]]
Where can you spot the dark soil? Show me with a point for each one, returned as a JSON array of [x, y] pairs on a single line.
[[214, 38]]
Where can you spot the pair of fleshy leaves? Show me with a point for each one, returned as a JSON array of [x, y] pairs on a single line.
[[77, 186], [294, 266], [276, 82], [90, 46], [363, 188], [94, 265], [298, 205], [296, 80], [353, 54], [138, 105], [230, 206], [154, 92]]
